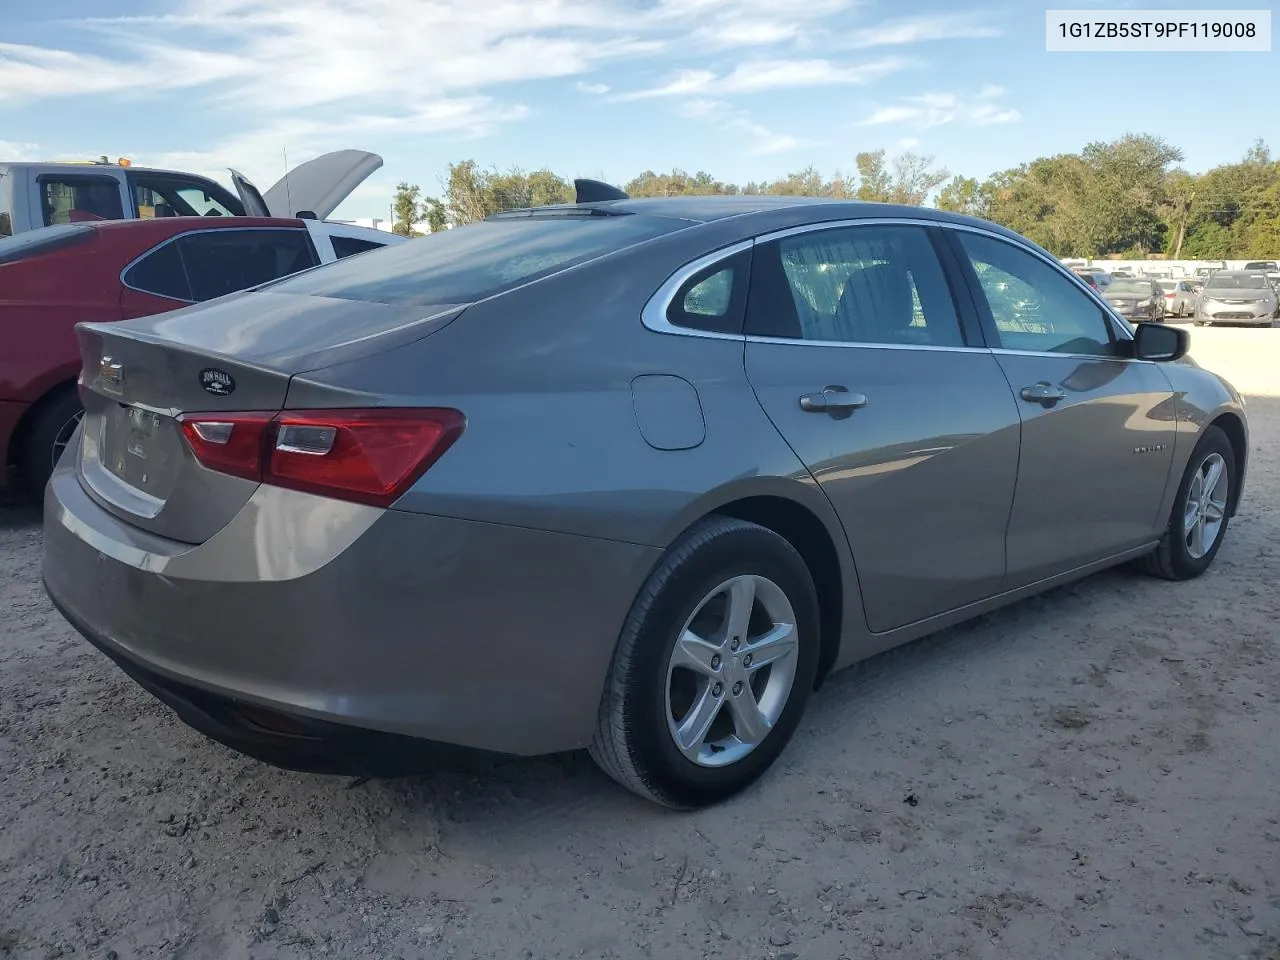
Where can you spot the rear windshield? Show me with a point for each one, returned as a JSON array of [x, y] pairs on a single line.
[[1142, 287], [475, 261]]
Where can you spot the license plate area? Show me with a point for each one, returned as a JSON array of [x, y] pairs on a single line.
[[137, 448]]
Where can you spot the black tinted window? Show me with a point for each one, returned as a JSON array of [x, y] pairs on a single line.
[[713, 298], [219, 262], [866, 284], [75, 199], [160, 272], [478, 260], [6, 226], [344, 247]]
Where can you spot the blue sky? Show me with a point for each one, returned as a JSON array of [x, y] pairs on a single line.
[[745, 89]]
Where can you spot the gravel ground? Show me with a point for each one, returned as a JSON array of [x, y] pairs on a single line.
[[1091, 773]]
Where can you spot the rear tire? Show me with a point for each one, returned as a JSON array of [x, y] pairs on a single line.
[[47, 435], [647, 736], [1178, 556]]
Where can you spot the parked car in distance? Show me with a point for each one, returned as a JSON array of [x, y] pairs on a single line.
[[1137, 299], [601, 474], [34, 195], [54, 277], [1236, 296], [1179, 297], [1266, 266], [1098, 279]]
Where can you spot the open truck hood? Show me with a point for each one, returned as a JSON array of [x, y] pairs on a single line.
[[317, 186]]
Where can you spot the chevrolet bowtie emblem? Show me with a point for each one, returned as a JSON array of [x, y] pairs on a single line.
[[111, 375]]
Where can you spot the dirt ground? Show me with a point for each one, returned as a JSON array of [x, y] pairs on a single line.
[[1091, 773]]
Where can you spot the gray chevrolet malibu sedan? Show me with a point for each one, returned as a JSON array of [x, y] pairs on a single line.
[[629, 475]]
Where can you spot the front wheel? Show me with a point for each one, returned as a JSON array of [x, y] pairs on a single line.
[[1201, 511], [713, 668]]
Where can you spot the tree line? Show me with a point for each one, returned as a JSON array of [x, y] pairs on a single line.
[[1128, 197]]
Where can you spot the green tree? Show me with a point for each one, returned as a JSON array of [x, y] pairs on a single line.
[[964, 195], [405, 209], [907, 178], [435, 215], [677, 183]]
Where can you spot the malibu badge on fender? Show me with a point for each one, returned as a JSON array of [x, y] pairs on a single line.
[[218, 382]]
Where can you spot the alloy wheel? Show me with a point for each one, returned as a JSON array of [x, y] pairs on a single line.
[[731, 671], [1206, 506], [63, 437]]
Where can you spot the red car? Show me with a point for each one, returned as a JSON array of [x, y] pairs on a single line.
[[54, 277]]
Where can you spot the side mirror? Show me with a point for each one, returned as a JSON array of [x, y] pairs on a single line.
[[1156, 341]]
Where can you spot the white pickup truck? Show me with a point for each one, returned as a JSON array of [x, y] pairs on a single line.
[[36, 195]]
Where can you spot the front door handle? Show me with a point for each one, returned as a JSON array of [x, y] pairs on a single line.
[[834, 400], [1043, 393]]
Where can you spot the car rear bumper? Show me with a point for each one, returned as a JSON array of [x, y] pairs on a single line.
[[473, 634]]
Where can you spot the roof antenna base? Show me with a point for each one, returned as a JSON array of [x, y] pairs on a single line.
[[596, 191]]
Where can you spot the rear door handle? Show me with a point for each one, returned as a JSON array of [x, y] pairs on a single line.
[[835, 400], [1043, 393]]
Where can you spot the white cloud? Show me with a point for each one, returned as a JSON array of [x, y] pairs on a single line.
[[756, 76], [909, 143], [926, 110], [593, 88], [759, 139], [961, 26], [14, 151]]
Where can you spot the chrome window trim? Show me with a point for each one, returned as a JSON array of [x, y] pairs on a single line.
[[191, 233], [654, 313]]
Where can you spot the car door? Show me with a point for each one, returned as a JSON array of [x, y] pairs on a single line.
[[861, 357], [1097, 427]]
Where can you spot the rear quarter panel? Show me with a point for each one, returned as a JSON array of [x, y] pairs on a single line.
[[544, 374]]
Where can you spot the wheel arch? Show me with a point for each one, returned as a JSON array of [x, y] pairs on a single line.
[[1233, 426]]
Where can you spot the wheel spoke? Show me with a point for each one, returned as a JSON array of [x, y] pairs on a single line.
[[693, 729], [694, 653], [1213, 476], [1196, 544], [1214, 511], [772, 647], [741, 601], [749, 723]]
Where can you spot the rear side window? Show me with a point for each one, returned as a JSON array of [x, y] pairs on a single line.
[[161, 273], [478, 260], [77, 199], [6, 224], [715, 297], [344, 247], [219, 262]]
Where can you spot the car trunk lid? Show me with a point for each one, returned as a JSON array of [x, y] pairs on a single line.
[[234, 355]]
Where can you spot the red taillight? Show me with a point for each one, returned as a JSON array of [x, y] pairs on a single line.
[[371, 456]]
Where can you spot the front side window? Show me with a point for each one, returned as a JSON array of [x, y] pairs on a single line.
[[874, 284], [219, 262], [165, 195], [78, 199], [1033, 306]]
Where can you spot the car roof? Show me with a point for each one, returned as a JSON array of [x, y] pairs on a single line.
[[766, 211]]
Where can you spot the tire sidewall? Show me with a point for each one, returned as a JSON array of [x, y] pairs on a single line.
[[749, 550], [1213, 441], [37, 451]]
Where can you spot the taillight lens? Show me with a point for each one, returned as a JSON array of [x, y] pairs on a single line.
[[370, 456]]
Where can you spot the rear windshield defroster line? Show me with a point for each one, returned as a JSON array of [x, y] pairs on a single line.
[[475, 261]]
